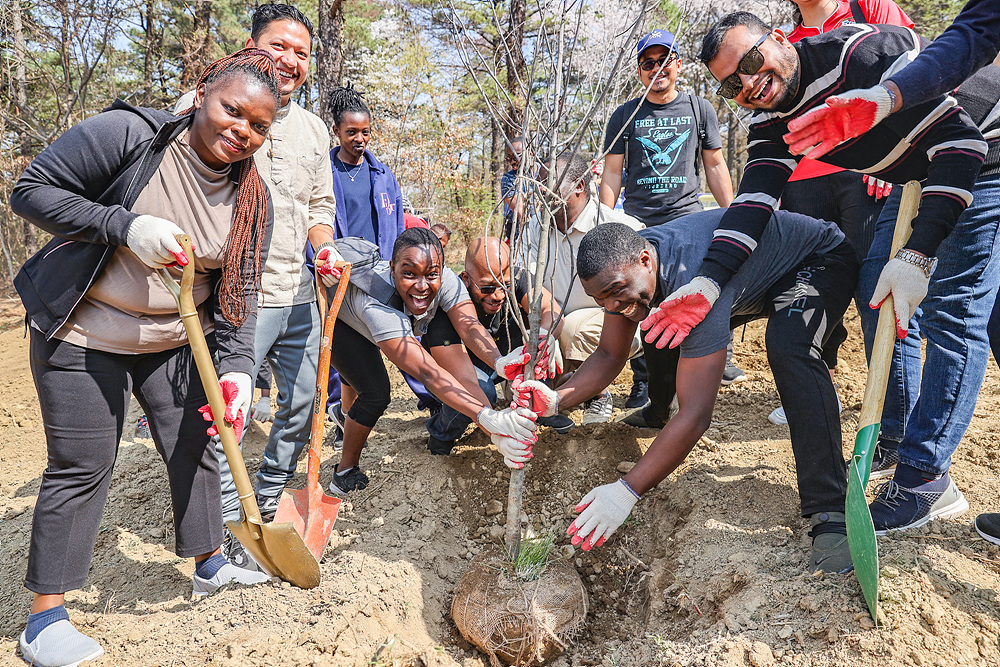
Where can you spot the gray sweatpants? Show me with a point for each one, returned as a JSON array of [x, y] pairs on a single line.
[[84, 396]]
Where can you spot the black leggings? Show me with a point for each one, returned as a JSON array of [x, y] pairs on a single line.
[[359, 363], [84, 396]]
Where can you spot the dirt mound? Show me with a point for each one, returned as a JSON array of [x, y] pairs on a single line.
[[707, 571]]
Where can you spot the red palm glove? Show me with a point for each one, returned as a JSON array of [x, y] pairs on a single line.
[[877, 187], [237, 391], [325, 258], [548, 365], [680, 312], [511, 365], [842, 117], [535, 396]]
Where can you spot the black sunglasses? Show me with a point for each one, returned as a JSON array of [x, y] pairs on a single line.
[[750, 63], [489, 289], [654, 63]]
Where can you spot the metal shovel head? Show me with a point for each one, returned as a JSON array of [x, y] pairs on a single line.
[[278, 549], [312, 513], [861, 537]]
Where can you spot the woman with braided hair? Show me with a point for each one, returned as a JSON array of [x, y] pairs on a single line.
[[103, 326]]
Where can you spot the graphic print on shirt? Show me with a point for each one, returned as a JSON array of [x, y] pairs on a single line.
[[662, 141], [388, 204]]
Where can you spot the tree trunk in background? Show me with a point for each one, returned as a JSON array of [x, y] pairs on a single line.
[[496, 155], [194, 45], [731, 141], [151, 48], [329, 54], [21, 101], [517, 69]]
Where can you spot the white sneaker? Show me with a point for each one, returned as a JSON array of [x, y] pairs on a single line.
[[228, 574], [598, 410], [60, 645], [778, 417]]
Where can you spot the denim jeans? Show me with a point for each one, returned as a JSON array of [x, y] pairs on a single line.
[[448, 424], [928, 412], [287, 337]]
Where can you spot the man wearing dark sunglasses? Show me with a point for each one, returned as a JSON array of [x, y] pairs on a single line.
[[955, 232], [656, 140]]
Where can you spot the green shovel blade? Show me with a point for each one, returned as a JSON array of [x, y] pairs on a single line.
[[860, 529]]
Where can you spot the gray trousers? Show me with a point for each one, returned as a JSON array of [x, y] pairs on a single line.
[[288, 338], [84, 396]]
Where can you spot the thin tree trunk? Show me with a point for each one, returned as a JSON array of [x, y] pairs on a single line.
[[151, 54], [329, 54], [21, 101], [517, 69], [731, 141], [194, 45]]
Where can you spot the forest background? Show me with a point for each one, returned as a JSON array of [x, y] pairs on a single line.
[[448, 81]]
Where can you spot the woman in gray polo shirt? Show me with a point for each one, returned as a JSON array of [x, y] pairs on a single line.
[[367, 328]]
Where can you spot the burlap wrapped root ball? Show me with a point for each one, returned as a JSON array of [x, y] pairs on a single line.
[[519, 622]]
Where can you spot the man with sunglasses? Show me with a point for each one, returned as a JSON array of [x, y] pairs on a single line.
[[656, 140], [955, 232], [487, 274]]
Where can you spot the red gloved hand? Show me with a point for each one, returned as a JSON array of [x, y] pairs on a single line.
[[326, 256], [237, 391], [841, 118], [680, 312], [877, 187], [511, 365], [548, 364], [602, 511], [535, 396]]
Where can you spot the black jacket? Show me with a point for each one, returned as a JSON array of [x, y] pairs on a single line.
[[81, 189]]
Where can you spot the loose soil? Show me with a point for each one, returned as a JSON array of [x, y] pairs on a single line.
[[709, 570]]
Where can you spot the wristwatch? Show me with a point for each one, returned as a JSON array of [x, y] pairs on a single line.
[[927, 264]]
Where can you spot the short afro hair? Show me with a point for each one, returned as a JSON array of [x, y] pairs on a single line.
[[608, 244], [417, 237]]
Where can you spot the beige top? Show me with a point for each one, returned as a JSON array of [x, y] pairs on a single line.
[[128, 310], [294, 163], [560, 269]]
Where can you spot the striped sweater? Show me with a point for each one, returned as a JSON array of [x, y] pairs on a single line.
[[935, 142]]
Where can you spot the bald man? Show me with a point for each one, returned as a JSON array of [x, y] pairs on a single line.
[[487, 274]]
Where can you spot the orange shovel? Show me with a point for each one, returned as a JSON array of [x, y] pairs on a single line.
[[311, 511]]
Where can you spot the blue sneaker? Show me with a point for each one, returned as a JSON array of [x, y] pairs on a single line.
[[899, 508], [885, 459]]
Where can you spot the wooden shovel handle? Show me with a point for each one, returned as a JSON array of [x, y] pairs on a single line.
[[885, 332]]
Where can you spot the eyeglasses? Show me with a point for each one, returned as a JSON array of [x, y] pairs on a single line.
[[655, 63], [750, 63], [486, 290]]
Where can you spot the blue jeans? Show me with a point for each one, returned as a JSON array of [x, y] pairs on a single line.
[[287, 337], [448, 424], [928, 412]]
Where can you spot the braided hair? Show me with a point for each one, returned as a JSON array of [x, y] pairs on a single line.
[[241, 266], [347, 100]]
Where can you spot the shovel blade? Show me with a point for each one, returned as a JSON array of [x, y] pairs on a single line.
[[279, 550], [861, 538], [312, 513]]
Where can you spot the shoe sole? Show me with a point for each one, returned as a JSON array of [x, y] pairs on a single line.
[[880, 474], [987, 536], [735, 380], [24, 654], [956, 509], [596, 420], [634, 407]]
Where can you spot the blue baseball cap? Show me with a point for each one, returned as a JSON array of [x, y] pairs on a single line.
[[656, 38]]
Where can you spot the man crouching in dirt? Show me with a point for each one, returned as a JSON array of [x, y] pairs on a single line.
[[802, 281]]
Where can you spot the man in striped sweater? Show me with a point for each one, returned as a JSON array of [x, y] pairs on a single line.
[[935, 142]]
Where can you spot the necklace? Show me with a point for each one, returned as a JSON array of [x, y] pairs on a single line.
[[356, 171]]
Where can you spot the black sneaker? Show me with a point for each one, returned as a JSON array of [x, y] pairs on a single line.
[[988, 527], [335, 414], [558, 423], [732, 374], [638, 397], [830, 551], [236, 554], [885, 459], [644, 419], [898, 508], [352, 480], [439, 447], [268, 507]]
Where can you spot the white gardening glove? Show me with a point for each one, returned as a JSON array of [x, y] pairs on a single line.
[[840, 118], [535, 396], [515, 453], [517, 424], [549, 363], [908, 285], [152, 240], [237, 390], [511, 365], [877, 187], [261, 410], [601, 512], [326, 256], [680, 312]]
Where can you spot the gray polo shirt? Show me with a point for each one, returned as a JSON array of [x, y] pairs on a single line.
[[378, 322]]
